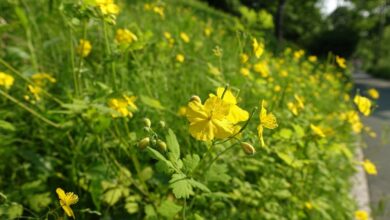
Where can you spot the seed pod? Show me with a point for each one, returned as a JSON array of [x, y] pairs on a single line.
[[195, 98], [248, 148], [161, 145], [142, 144], [147, 122]]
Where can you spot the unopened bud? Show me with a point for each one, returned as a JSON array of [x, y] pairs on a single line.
[[142, 144], [162, 124], [147, 122], [195, 98], [161, 145], [248, 148]]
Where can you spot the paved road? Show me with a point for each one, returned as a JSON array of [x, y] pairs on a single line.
[[378, 149]]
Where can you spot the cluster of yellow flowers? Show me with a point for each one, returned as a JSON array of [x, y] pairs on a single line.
[[296, 106], [363, 104], [40, 80], [6, 80], [155, 8], [219, 116], [123, 107], [125, 36]]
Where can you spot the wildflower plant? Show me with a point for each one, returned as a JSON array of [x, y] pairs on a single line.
[[101, 100]]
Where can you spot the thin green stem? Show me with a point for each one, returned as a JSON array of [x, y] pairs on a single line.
[[74, 73], [109, 52], [12, 99], [19, 74]]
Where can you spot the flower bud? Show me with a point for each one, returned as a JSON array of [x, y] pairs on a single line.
[[162, 124], [195, 98], [142, 144], [147, 122], [161, 145], [248, 148]]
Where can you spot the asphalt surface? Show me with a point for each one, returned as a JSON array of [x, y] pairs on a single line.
[[378, 149]]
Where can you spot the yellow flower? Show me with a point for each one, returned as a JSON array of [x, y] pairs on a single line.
[[267, 120], [308, 205], [40, 78], [363, 104], [369, 167], [277, 88], [298, 54], [341, 62], [210, 120], [180, 58], [299, 101], [108, 7], [169, 38], [207, 31], [361, 215], [244, 58], [36, 91], [84, 48], [6, 80], [124, 36], [217, 118], [261, 68], [124, 107], [184, 37], [283, 73], [313, 59], [66, 200], [159, 10], [317, 130], [244, 71], [258, 48], [293, 108], [218, 51], [373, 93], [236, 114]]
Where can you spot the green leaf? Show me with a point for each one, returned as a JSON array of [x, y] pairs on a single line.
[[6, 126], [14, 210], [181, 186], [154, 103], [299, 131], [282, 194], [173, 146], [168, 209], [285, 133], [217, 173], [158, 156], [112, 196], [190, 162], [150, 213], [290, 160], [39, 202], [132, 207], [199, 185]]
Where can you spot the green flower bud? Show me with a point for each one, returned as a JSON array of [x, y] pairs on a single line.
[[142, 144], [248, 148], [195, 98], [162, 124], [161, 145], [147, 122]]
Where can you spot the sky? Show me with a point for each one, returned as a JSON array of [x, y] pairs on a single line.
[[329, 6]]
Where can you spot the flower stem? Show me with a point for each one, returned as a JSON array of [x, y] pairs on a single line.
[[12, 99]]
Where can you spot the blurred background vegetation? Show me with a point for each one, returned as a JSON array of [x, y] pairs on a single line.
[[356, 29]]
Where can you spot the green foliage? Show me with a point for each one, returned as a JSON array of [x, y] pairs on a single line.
[[109, 126]]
